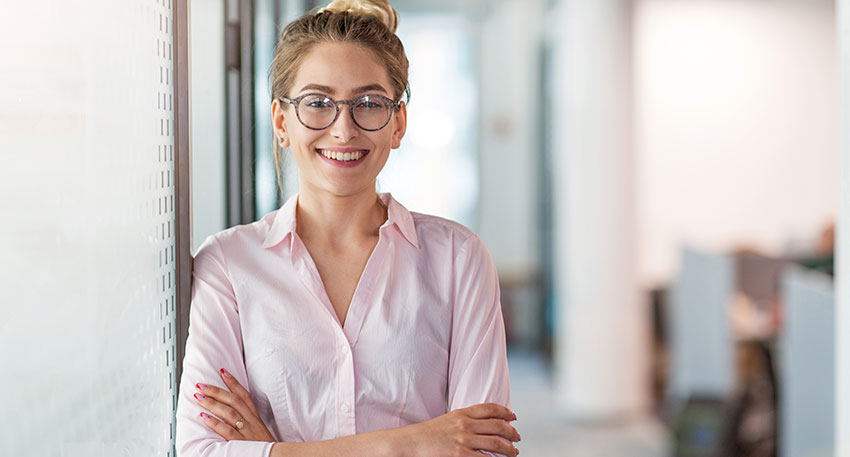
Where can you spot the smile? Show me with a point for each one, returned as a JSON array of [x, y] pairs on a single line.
[[346, 156]]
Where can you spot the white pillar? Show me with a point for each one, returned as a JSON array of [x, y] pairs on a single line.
[[601, 340], [842, 308]]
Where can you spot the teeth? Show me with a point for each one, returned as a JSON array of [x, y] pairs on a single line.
[[342, 156]]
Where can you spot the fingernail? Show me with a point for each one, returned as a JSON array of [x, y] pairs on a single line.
[[204, 416], [517, 451], [514, 416], [201, 386], [518, 437], [225, 372], [200, 396]]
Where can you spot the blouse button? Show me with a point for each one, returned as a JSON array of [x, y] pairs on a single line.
[[269, 350], [345, 407], [344, 349]]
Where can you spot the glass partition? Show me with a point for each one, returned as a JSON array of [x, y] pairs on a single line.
[[88, 327]]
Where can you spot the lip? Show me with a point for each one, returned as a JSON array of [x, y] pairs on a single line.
[[349, 164]]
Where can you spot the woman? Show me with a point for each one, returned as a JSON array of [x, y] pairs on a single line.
[[362, 329]]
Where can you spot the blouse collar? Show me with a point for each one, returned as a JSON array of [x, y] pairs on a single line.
[[283, 225]]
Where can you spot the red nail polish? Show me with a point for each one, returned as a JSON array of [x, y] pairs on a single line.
[[200, 396], [201, 386], [204, 416], [225, 372], [514, 416]]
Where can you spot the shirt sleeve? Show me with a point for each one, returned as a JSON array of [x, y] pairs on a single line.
[[478, 365], [214, 342]]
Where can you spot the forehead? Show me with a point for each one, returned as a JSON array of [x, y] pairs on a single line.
[[342, 67]]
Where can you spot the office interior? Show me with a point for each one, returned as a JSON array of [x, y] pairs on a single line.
[[664, 187]]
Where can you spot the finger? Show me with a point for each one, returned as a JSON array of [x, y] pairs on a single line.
[[492, 444], [227, 432], [495, 427], [225, 412], [237, 389], [225, 397], [490, 411]]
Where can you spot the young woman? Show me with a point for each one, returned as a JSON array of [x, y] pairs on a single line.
[[342, 324]]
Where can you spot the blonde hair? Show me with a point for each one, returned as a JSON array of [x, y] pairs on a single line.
[[370, 24]]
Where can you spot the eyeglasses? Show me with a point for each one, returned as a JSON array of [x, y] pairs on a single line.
[[317, 112]]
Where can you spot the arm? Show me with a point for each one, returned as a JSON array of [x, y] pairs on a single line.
[[381, 443], [214, 342], [459, 433], [478, 366]]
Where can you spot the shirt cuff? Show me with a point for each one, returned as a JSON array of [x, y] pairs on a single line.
[[234, 448], [237, 448]]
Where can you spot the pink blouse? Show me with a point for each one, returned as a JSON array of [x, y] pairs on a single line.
[[424, 333]]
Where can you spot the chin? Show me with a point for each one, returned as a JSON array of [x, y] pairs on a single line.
[[347, 190]]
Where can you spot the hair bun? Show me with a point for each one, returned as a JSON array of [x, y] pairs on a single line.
[[378, 8]]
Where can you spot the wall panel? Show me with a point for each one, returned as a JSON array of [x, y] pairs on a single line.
[[87, 303]]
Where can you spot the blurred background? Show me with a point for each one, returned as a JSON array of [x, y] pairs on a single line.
[[660, 183]]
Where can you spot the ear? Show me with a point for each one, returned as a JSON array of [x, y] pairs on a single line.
[[279, 123], [399, 125]]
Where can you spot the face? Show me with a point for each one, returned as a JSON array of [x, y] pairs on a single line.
[[341, 71]]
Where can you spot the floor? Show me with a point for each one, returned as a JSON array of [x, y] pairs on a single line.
[[545, 434]]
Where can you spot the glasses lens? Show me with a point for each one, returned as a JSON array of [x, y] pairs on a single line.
[[371, 112], [316, 111]]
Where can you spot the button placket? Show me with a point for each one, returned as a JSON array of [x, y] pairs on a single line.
[[345, 389]]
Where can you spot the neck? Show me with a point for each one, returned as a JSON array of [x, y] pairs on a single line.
[[338, 221]]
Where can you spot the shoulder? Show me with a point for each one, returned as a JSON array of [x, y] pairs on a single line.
[[433, 227], [436, 231], [244, 239]]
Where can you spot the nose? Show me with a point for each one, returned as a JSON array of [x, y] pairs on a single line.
[[344, 128]]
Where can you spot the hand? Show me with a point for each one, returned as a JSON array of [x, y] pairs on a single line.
[[232, 407], [462, 432]]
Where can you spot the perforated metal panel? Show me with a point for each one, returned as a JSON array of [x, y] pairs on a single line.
[[87, 334]]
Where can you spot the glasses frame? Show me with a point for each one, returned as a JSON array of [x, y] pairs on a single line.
[[394, 106]]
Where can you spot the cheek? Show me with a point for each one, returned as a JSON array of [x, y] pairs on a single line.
[[302, 139], [302, 153]]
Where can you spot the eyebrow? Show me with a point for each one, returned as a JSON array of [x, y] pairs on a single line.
[[329, 90]]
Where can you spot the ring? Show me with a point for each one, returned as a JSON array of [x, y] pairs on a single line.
[[239, 424]]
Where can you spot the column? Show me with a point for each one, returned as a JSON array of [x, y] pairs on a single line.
[[601, 340]]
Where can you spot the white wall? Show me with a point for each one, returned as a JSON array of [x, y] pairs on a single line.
[[736, 125], [509, 148], [208, 128]]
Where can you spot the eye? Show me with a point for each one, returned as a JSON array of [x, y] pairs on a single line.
[[371, 103], [317, 102]]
